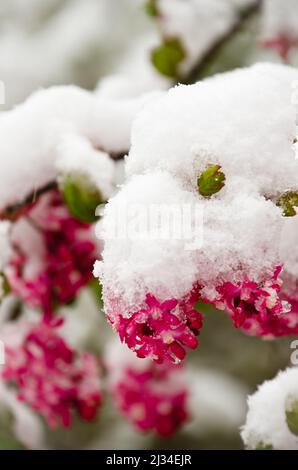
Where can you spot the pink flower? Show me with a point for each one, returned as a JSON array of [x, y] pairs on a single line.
[[162, 330], [259, 309], [151, 398], [282, 44], [68, 254], [51, 378]]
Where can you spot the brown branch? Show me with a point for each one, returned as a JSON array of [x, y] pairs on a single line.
[[13, 211], [243, 17]]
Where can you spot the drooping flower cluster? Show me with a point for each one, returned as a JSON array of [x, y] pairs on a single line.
[[152, 397], [53, 254], [147, 400], [52, 378], [162, 330], [258, 309]]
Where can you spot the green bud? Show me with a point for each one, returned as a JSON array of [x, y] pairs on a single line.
[[167, 57], [292, 418], [211, 181], [5, 285], [287, 202], [151, 8], [81, 199]]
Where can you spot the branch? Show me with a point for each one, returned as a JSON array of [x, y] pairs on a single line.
[[13, 211], [208, 57]]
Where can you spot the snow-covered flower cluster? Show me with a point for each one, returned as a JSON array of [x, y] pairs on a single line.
[[180, 200], [184, 153]]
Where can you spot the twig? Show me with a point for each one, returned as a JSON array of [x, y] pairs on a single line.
[[13, 211], [244, 16]]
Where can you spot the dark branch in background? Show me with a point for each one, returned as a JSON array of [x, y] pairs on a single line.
[[15, 210], [197, 71]]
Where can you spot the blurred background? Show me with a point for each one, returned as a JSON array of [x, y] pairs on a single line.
[[91, 43]]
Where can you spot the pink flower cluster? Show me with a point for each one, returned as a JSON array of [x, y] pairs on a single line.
[[69, 256], [282, 44], [149, 400], [51, 378], [162, 330], [260, 310]]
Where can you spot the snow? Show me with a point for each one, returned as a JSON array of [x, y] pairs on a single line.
[[53, 130], [31, 33], [174, 138], [266, 418]]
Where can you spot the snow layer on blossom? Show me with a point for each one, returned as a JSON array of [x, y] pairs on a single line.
[[191, 126], [198, 23], [174, 139], [180, 134], [129, 263], [45, 129], [266, 419]]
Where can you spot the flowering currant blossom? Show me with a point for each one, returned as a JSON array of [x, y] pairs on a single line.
[[185, 157], [53, 254], [153, 397], [51, 377]]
